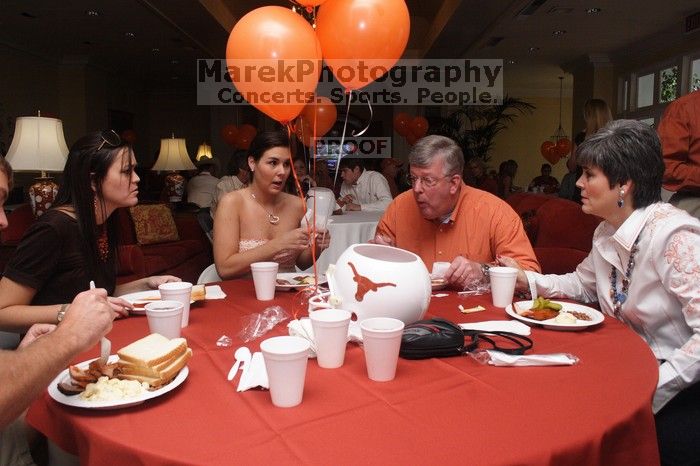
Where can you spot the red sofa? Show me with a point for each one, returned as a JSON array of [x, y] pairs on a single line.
[[560, 233], [185, 258]]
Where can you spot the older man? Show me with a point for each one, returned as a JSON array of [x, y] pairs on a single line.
[[442, 219], [44, 352]]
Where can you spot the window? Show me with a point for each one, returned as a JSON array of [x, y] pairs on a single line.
[[695, 75], [645, 90], [668, 88]]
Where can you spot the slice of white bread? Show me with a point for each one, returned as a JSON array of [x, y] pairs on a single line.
[[156, 378], [152, 350], [157, 370], [199, 293]]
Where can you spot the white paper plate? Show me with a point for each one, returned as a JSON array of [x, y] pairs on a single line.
[[291, 276], [142, 298], [596, 316], [78, 402]]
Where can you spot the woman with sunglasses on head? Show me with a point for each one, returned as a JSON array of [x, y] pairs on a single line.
[[261, 222], [643, 269], [75, 242]]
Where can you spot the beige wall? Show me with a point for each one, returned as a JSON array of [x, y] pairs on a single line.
[[522, 139]]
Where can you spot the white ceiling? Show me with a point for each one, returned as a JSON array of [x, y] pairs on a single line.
[[184, 30]]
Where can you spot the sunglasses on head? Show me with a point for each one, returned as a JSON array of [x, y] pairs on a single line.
[[109, 137]]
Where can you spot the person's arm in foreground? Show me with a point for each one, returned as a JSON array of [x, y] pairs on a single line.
[[48, 349]]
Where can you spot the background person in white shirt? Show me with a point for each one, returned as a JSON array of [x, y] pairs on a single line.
[[644, 269], [200, 188], [362, 189]]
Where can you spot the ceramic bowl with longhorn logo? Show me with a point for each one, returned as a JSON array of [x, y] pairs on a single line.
[[382, 281]]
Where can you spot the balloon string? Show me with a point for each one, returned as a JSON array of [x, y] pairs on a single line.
[[369, 122], [348, 99]]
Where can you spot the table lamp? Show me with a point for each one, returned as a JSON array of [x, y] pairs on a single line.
[[39, 145], [204, 151], [173, 156]]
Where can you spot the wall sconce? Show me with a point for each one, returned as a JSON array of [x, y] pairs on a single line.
[[204, 151]]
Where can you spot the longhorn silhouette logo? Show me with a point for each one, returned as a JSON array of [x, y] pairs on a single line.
[[364, 284]]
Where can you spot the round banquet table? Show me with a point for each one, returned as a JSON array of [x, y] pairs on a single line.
[[436, 411], [347, 229]]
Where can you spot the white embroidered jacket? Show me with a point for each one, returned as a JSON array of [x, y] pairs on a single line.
[[663, 302]]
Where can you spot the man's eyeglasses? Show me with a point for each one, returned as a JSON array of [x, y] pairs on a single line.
[[109, 137], [426, 181]]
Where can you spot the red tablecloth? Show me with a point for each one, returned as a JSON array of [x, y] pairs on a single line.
[[438, 411]]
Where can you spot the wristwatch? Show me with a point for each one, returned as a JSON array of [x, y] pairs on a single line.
[[61, 313], [485, 270]]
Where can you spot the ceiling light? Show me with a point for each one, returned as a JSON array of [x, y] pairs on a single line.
[[511, 62], [533, 49], [155, 50], [92, 13], [593, 11], [558, 32], [174, 61], [130, 35]]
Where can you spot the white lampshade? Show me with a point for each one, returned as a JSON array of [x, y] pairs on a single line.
[[38, 145], [173, 156], [204, 151]]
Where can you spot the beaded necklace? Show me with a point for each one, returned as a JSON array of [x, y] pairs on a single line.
[[620, 298]]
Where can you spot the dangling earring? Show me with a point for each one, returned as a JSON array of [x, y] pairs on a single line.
[[621, 200]]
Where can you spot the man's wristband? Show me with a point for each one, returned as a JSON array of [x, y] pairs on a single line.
[[62, 313]]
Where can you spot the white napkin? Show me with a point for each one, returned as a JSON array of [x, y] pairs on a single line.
[[214, 292], [254, 374], [497, 358], [512, 326], [302, 328]]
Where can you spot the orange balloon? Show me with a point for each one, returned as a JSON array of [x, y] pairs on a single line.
[[229, 133], [419, 126], [545, 148], [362, 39], [550, 152], [274, 59], [412, 138], [129, 135], [320, 114], [309, 3], [563, 146], [246, 134], [401, 122]]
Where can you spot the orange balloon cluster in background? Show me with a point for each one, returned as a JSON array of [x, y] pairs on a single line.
[[412, 128], [317, 118], [554, 151], [238, 137]]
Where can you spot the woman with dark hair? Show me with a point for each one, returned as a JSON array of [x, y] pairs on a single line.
[[643, 270], [75, 242], [506, 175], [261, 222], [239, 179]]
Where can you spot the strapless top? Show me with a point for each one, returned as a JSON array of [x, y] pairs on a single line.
[[285, 259]]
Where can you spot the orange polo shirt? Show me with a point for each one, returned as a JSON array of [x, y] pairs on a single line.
[[679, 131], [481, 227]]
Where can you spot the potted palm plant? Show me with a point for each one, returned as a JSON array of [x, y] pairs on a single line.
[[474, 127]]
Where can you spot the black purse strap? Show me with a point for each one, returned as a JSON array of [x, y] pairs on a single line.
[[521, 342]]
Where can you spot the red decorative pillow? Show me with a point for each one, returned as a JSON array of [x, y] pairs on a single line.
[[153, 223]]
